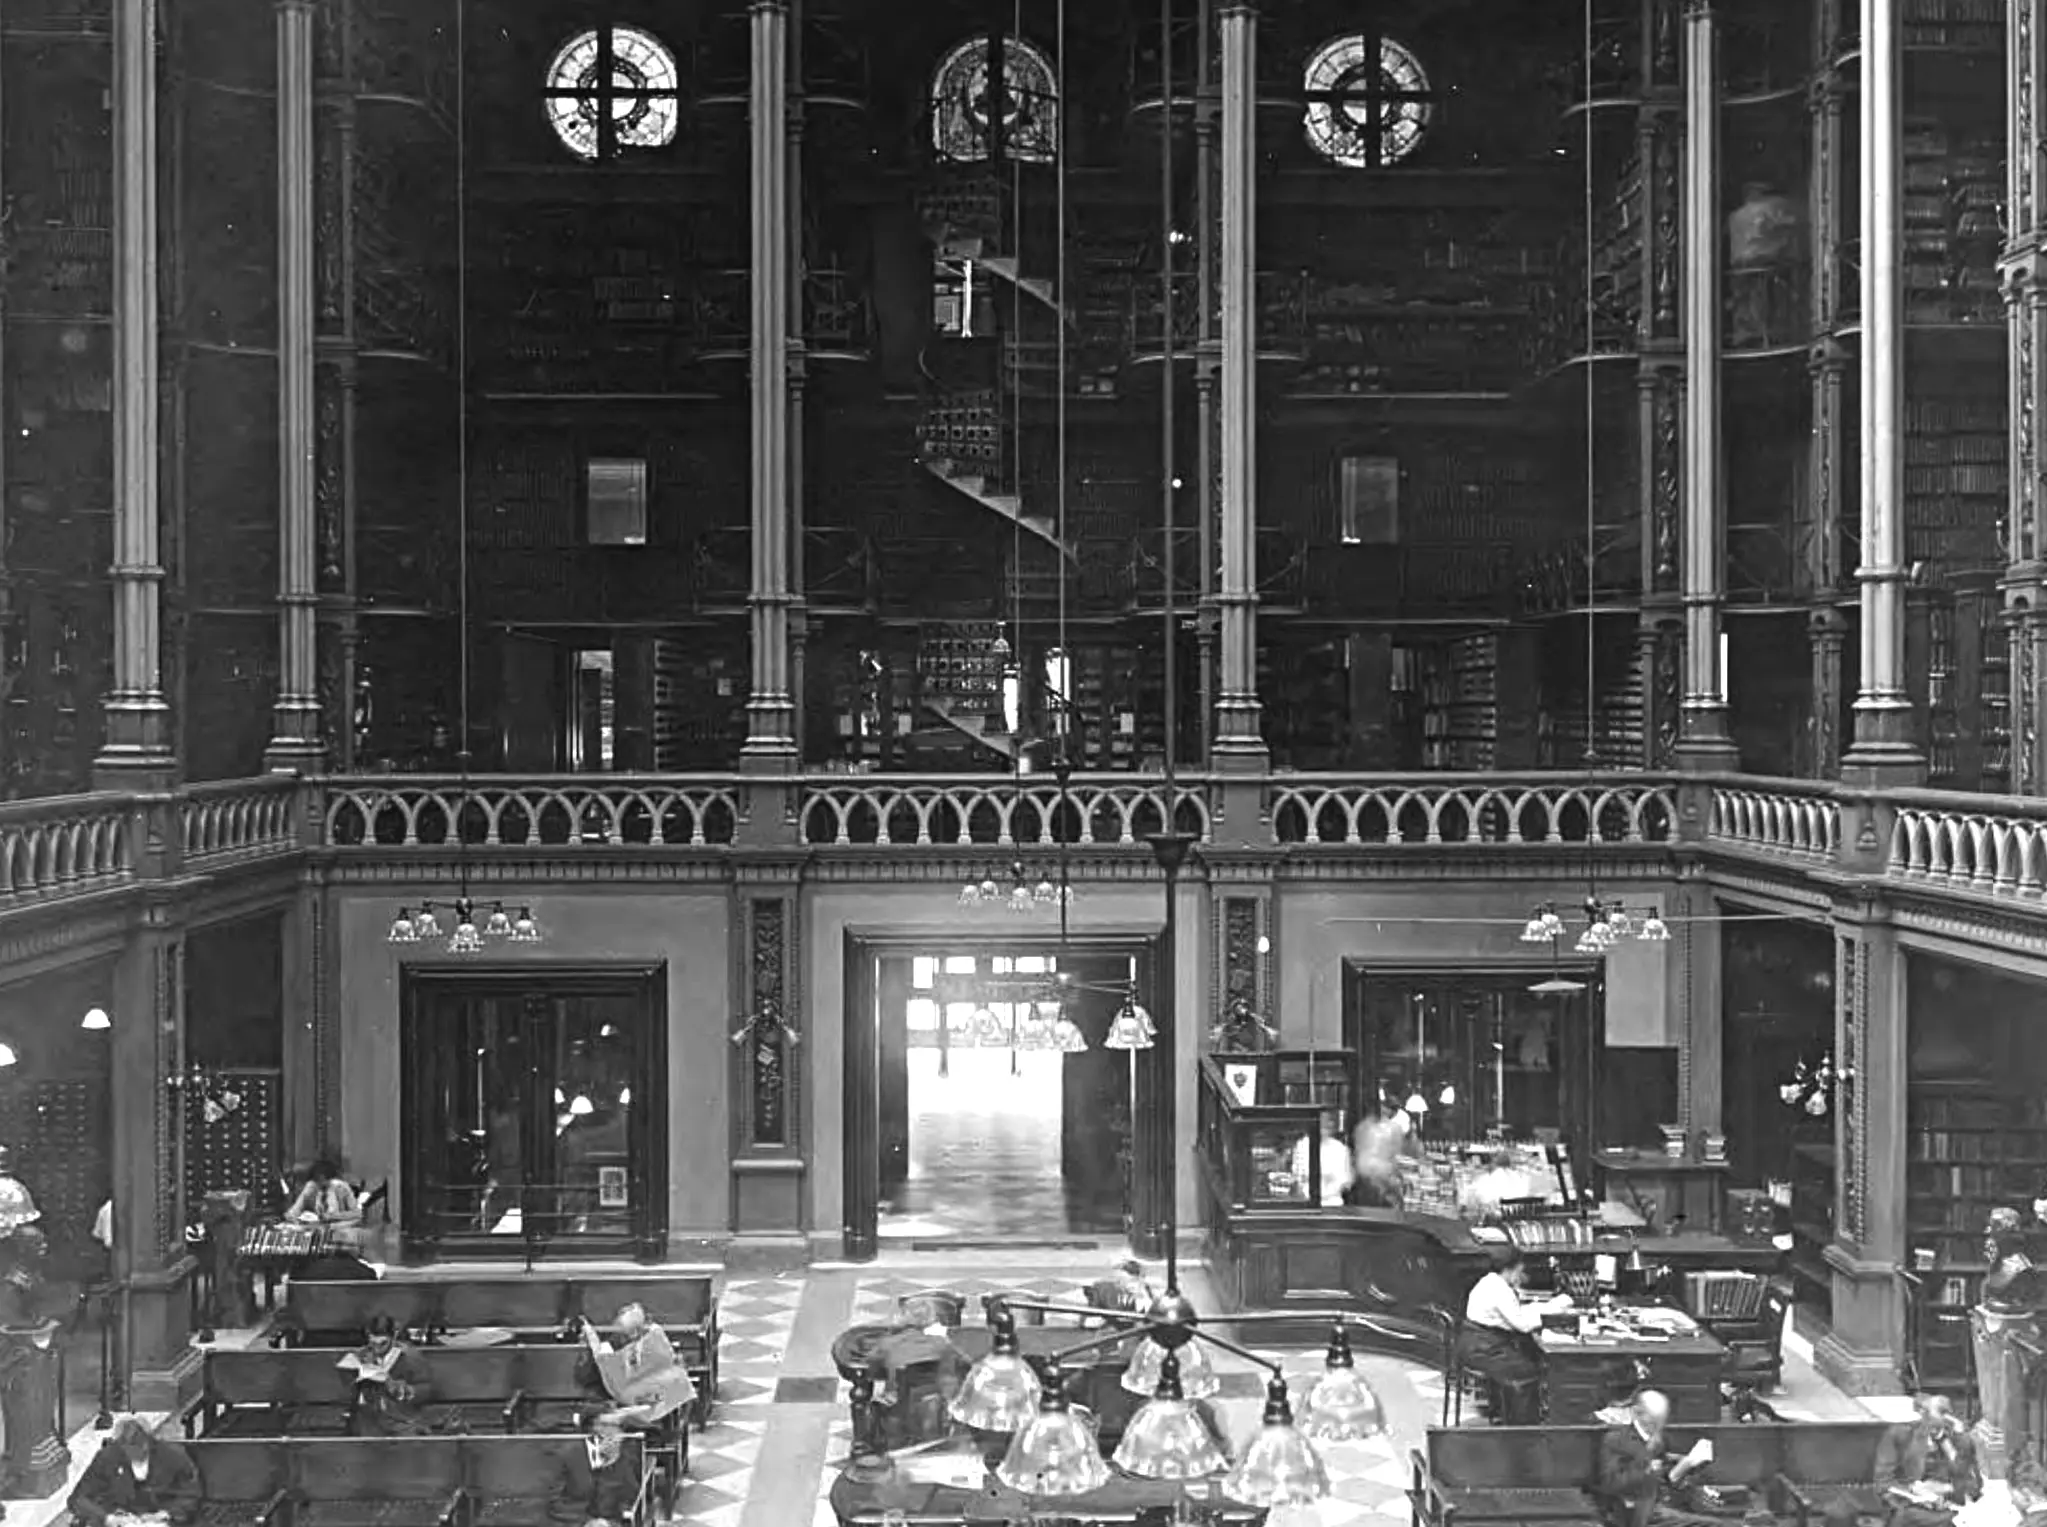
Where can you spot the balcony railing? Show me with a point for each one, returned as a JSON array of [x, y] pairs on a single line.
[[1354, 811], [1976, 848], [1992, 846]]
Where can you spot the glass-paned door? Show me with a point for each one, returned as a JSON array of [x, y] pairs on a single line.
[[533, 1116]]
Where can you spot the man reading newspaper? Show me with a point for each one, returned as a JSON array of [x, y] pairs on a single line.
[[638, 1370]]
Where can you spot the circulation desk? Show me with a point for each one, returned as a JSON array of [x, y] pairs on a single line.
[[906, 1496], [1582, 1377]]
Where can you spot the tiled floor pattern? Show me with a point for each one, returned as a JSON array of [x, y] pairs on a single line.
[[984, 1161], [755, 1316]]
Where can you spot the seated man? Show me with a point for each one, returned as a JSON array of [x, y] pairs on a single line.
[[639, 1372], [136, 1478], [594, 1487], [392, 1384], [1498, 1340], [1926, 1467], [1639, 1476], [326, 1199], [2028, 1481]]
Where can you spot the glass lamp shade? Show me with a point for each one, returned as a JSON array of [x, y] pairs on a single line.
[[425, 925], [1067, 1037], [1170, 1437], [1054, 1453], [1000, 1394], [1654, 930], [1280, 1467], [498, 924], [402, 929], [1197, 1380], [1131, 1030], [1340, 1407]]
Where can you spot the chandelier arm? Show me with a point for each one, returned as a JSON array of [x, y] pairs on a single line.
[[1271, 1365], [1065, 1356], [1131, 1319]]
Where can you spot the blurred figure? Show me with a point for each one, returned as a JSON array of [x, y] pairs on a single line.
[[137, 1477], [1926, 1467], [1338, 1171], [1639, 1475]]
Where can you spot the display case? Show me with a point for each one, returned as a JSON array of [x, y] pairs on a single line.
[[1260, 1123]]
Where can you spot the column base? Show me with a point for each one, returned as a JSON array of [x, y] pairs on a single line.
[[1884, 754], [297, 756], [1706, 755]]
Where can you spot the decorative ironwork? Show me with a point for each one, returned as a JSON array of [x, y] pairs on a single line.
[[2025, 702], [1667, 478], [1666, 685], [2024, 303], [963, 105], [330, 447], [1369, 101], [398, 304], [1663, 50], [1240, 1022], [2025, 165], [1665, 247], [330, 218], [167, 997], [765, 1036], [1852, 981]]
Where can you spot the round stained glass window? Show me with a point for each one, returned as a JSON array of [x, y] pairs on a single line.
[[1368, 102], [640, 92], [963, 103]]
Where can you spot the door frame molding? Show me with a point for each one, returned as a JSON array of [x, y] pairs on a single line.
[[645, 979], [1152, 1148]]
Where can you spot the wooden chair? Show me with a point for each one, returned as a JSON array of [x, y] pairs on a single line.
[[935, 1307]]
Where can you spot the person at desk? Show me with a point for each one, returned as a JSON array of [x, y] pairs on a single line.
[[594, 1486], [1638, 1473], [136, 1478], [326, 1199], [1926, 1467], [392, 1383], [1498, 1340], [1338, 1173]]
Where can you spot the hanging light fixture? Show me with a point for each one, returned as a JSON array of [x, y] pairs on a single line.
[[1340, 1406], [1132, 1028], [1606, 925], [1001, 1391], [1280, 1467], [498, 924], [96, 1020], [1169, 1438], [1055, 1452], [1017, 891]]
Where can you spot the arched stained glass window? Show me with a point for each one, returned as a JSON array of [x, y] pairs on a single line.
[[1368, 101], [612, 90], [963, 115]]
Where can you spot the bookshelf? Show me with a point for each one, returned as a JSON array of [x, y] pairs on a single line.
[[1466, 725], [1812, 1226], [1970, 1147]]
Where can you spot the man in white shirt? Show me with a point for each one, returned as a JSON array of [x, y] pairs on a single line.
[[1498, 1339], [1337, 1171]]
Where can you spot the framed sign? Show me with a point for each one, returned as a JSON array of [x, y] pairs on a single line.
[[1243, 1082], [611, 1188]]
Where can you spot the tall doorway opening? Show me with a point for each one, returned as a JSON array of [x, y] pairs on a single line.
[[966, 1126], [534, 1116]]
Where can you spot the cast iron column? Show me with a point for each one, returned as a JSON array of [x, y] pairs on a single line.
[[295, 714], [1704, 740], [1883, 745], [1820, 549], [2024, 269], [1239, 744], [138, 718], [798, 376], [770, 737]]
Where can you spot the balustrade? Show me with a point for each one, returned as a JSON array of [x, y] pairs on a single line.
[[55, 849]]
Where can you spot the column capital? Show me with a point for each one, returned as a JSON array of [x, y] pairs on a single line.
[[760, 8], [1698, 10]]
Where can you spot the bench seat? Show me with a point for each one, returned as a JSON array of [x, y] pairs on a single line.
[[371, 1513], [1541, 1504]]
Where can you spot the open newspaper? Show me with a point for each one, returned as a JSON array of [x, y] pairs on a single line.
[[646, 1378]]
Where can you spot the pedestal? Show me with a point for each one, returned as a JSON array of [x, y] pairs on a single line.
[[31, 1402], [1991, 1329]]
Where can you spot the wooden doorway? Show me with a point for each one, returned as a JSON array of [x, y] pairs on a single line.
[[1112, 1102], [534, 1111]]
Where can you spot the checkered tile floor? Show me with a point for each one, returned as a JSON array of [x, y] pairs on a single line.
[[755, 1316]]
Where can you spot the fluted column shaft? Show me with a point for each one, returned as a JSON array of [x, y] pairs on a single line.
[[1238, 741], [770, 712], [2024, 272], [295, 715], [138, 718], [1883, 710], [1703, 736]]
